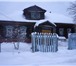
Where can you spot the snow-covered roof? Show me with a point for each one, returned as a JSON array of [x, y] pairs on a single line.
[[52, 17], [17, 15], [58, 18]]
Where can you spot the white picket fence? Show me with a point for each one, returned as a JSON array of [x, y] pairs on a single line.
[[44, 42], [72, 41]]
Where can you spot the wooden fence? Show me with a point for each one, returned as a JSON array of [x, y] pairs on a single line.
[[44, 42], [72, 41]]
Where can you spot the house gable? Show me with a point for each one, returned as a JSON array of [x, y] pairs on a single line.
[[45, 27], [34, 13], [47, 23]]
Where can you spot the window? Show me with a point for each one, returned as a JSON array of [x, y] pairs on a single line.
[[61, 31], [69, 30], [46, 31], [9, 31], [22, 32], [15, 32], [35, 15]]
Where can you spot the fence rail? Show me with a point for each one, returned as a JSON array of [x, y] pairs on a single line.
[[44, 42], [72, 41]]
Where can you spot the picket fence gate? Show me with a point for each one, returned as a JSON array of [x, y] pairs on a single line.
[[71, 41], [44, 42]]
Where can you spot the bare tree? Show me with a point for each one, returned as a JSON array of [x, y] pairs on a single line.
[[72, 10]]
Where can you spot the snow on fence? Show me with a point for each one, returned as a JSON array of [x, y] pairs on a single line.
[[44, 42], [72, 41]]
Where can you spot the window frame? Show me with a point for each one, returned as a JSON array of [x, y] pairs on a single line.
[[35, 15], [69, 30], [61, 33], [9, 31]]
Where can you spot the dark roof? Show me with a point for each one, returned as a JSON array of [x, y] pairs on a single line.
[[34, 8], [47, 23]]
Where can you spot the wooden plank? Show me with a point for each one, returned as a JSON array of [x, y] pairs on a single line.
[[45, 42], [0, 47]]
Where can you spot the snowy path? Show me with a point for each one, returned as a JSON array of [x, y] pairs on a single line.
[[23, 56]]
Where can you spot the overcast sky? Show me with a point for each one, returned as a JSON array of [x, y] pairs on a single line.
[[37, 0]]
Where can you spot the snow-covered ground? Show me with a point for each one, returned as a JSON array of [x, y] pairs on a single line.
[[24, 57]]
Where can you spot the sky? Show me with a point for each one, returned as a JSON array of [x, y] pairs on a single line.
[[36, 0]]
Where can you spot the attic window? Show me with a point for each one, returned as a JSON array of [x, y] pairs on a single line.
[[35, 15]]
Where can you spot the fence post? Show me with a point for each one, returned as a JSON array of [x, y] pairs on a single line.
[[72, 41], [46, 42], [49, 43], [38, 40], [42, 42], [0, 47], [69, 41], [33, 42], [55, 43]]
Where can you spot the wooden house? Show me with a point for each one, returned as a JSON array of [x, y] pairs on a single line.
[[34, 19]]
